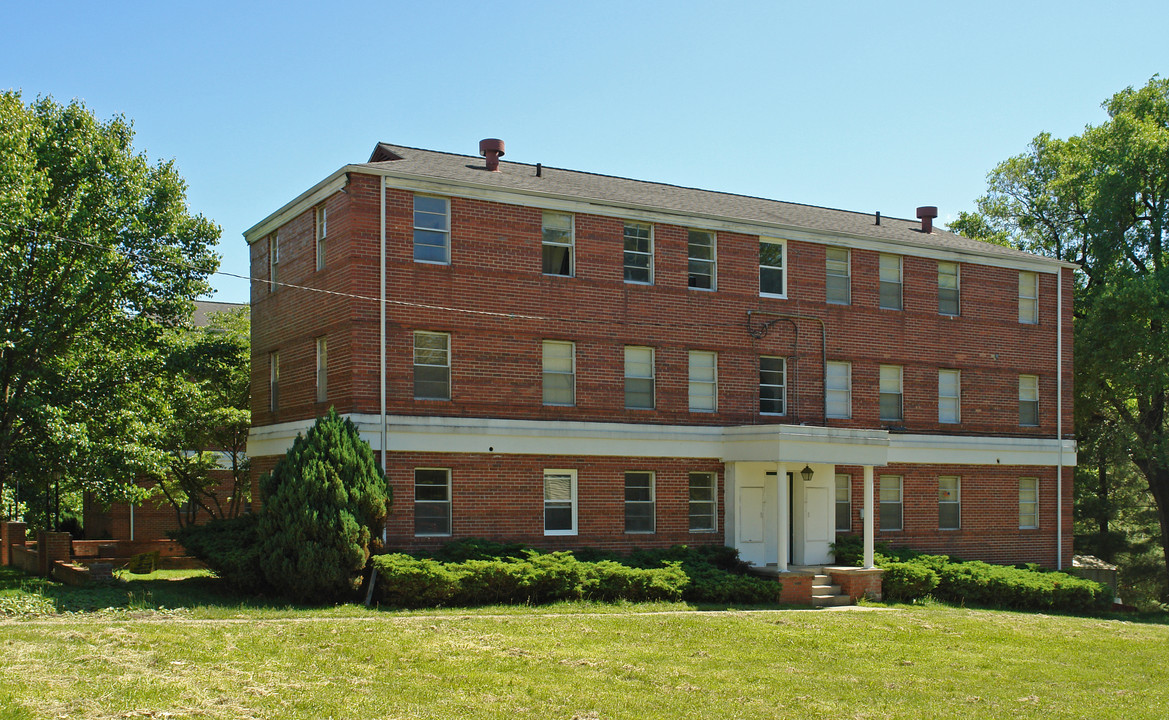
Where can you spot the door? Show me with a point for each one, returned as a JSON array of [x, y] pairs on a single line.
[[818, 533], [750, 524]]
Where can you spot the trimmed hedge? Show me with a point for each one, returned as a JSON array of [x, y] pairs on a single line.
[[906, 581]]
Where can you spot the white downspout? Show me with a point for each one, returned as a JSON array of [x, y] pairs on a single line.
[[131, 522], [1059, 420], [382, 343], [782, 517], [868, 519]]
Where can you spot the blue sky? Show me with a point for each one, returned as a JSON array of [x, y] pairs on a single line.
[[858, 105]]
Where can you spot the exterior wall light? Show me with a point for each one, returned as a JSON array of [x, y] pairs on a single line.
[[806, 473]]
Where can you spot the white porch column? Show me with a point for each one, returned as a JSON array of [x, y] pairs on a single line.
[[782, 516], [868, 516]]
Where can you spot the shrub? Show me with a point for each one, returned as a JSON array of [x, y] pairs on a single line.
[[405, 581], [907, 581], [230, 548], [609, 580], [323, 504], [984, 584], [478, 549]]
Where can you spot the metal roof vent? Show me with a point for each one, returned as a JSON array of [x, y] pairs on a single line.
[[492, 149], [926, 214]]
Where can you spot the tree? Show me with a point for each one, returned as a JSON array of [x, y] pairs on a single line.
[[324, 504], [98, 256], [1101, 199]]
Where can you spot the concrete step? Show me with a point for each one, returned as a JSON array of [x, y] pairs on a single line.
[[830, 600], [825, 589]]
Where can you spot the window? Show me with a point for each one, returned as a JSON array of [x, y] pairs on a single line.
[[949, 502], [890, 282], [559, 373], [703, 381], [322, 233], [1029, 400], [560, 502], [890, 494], [703, 504], [839, 390], [432, 228], [1029, 298], [837, 282], [948, 298], [273, 381], [432, 366], [771, 268], [273, 261], [890, 390], [843, 502], [639, 502], [322, 370], [557, 244], [432, 501], [772, 385], [1028, 503], [639, 377], [949, 401], [702, 259], [639, 253]]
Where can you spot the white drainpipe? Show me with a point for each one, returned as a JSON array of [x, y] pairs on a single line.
[[382, 344], [1059, 420]]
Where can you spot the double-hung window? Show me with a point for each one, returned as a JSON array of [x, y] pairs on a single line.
[[949, 396], [560, 502], [701, 264], [639, 502], [703, 502], [557, 244], [890, 393], [432, 229], [843, 502], [837, 280], [432, 366], [639, 253], [322, 370], [322, 218], [1029, 298], [890, 277], [772, 385], [949, 502], [273, 381], [948, 290], [1028, 503], [273, 261], [838, 393], [890, 495], [772, 274], [703, 381], [432, 501], [639, 377], [559, 373], [1029, 400]]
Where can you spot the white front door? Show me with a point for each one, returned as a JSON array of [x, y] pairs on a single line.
[[750, 526], [818, 531]]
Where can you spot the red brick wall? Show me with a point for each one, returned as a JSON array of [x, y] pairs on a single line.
[[495, 267], [154, 519]]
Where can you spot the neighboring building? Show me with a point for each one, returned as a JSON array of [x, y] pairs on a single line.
[[578, 360]]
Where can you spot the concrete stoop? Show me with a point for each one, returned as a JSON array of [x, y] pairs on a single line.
[[825, 594]]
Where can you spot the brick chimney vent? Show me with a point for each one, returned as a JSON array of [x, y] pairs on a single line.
[[492, 149], [926, 214]]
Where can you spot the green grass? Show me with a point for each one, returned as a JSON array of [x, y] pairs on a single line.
[[222, 659]]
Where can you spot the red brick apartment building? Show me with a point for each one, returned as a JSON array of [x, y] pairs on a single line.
[[576, 360]]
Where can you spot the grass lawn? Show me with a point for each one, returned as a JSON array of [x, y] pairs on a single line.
[[208, 656]]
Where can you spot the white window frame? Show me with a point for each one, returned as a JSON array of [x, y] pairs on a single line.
[[322, 233], [843, 482], [1029, 393], [273, 261], [651, 503], [631, 367], [782, 385], [703, 387], [274, 381], [322, 369], [545, 243], [703, 505], [1028, 520], [943, 278], [648, 255], [836, 393], [888, 387], [444, 231], [831, 264], [949, 397], [886, 280], [954, 500], [1028, 297], [782, 268], [572, 501], [447, 365], [899, 502], [712, 262], [553, 367], [447, 503]]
